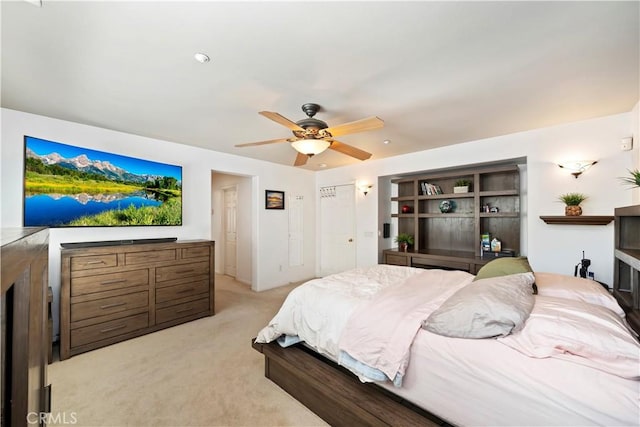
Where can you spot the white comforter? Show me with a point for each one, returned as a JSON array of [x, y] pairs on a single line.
[[318, 310]]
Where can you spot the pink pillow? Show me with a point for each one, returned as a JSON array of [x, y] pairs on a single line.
[[576, 288], [578, 332]]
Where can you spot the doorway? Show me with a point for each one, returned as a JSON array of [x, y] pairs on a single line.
[[229, 229], [232, 204]]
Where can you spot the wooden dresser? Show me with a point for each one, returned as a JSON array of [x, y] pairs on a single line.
[[113, 293]]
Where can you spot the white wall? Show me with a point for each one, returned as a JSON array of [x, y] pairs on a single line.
[[270, 228], [554, 248]]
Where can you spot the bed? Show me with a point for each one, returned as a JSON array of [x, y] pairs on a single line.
[[446, 351]]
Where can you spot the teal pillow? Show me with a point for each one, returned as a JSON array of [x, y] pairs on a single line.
[[504, 267]]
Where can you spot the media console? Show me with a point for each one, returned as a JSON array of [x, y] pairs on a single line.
[[111, 293], [117, 242]]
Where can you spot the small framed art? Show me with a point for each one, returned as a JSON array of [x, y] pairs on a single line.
[[274, 199]]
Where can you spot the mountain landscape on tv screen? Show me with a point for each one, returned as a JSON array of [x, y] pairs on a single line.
[[87, 190]]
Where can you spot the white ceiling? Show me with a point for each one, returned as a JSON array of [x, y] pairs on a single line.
[[437, 73]]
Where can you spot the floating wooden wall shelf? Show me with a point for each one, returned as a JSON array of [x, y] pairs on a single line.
[[577, 220]]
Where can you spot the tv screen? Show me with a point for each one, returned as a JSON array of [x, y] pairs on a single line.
[[68, 186]]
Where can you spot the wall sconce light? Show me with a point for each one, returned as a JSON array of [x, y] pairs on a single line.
[[576, 167], [365, 188]]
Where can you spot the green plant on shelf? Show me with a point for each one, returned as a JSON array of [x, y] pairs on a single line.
[[462, 182], [634, 179], [404, 238], [572, 199]]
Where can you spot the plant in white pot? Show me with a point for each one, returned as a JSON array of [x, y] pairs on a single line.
[[404, 240], [462, 186]]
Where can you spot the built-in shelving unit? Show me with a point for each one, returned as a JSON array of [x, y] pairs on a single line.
[[452, 239]]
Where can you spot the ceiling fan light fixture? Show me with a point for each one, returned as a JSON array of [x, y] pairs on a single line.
[[310, 147]]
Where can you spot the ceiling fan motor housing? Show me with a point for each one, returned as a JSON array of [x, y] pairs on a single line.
[[311, 125]]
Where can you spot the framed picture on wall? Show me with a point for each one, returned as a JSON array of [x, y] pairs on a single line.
[[274, 199]]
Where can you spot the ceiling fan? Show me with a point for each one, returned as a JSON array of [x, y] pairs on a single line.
[[312, 136]]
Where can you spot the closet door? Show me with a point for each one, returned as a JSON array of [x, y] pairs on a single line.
[[338, 231]]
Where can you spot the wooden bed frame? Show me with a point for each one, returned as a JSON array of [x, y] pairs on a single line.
[[334, 393], [338, 397]]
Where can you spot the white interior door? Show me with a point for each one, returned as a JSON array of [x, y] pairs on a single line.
[[230, 232], [337, 219]]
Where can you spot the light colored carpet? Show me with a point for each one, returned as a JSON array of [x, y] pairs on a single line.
[[203, 373]]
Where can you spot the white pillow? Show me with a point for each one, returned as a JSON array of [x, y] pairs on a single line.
[[576, 288], [485, 308], [578, 332]]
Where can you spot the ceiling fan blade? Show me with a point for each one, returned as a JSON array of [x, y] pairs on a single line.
[[362, 125], [301, 160], [281, 120], [270, 141], [349, 150]]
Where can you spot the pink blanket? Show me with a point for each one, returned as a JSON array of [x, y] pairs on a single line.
[[380, 333]]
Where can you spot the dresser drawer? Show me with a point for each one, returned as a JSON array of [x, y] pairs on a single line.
[[198, 251], [396, 259], [93, 261], [171, 293], [105, 306], [182, 310], [93, 333], [420, 262], [104, 282], [132, 258], [182, 270]]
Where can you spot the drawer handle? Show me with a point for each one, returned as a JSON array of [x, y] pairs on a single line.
[[184, 291], [111, 282], [115, 304], [113, 328], [184, 309], [185, 271], [95, 262]]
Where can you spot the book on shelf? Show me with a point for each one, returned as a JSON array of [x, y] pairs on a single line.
[[430, 189]]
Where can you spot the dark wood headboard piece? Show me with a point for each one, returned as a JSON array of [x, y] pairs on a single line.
[[626, 268]]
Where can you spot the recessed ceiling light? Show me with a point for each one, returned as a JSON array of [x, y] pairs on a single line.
[[201, 57], [386, 141]]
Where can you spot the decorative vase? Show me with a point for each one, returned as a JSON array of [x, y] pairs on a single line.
[[446, 206], [407, 209], [572, 210], [403, 246]]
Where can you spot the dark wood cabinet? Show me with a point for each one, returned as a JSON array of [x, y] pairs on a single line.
[[626, 269], [24, 332], [447, 225], [113, 293]]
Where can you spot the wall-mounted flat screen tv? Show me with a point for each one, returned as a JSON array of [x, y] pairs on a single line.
[[68, 186]]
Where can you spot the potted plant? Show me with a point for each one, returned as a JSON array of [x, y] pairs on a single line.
[[634, 179], [572, 202], [404, 240], [461, 186]]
